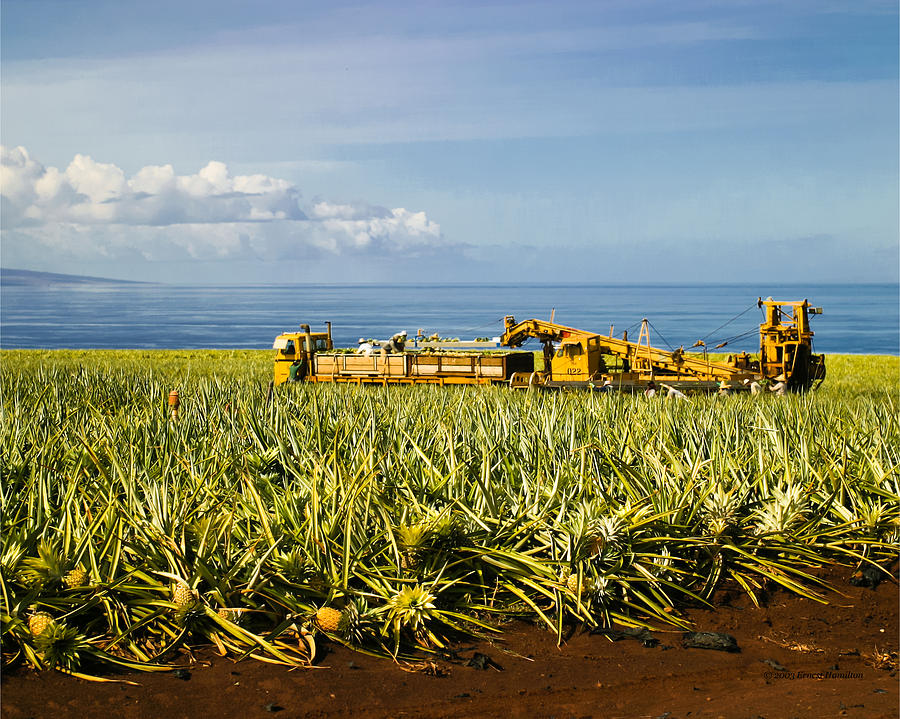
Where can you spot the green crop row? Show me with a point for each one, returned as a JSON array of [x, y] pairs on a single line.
[[394, 518]]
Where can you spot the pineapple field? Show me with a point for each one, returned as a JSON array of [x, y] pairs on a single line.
[[397, 520]]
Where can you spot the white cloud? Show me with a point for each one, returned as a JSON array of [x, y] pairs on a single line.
[[323, 210], [91, 192], [20, 181], [92, 210], [99, 182], [154, 180]]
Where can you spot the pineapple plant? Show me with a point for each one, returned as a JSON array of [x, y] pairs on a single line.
[[293, 566], [596, 545], [721, 511], [355, 625], [570, 580], [448, 533], [411, 607], [609, 534], [11, 555], [60, 646], [44, 570], [413, 540], [785, 510], [353, 622], [188, 607]]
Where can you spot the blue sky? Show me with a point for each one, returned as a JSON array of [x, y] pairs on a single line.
[[598, 141]]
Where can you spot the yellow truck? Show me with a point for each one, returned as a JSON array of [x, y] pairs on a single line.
[[310, 356]]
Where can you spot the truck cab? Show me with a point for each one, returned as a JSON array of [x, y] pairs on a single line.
[[577, 359]]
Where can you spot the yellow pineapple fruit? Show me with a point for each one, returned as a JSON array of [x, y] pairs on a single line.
[[39, 622], [75, 577], [183, 596], [328, 619]]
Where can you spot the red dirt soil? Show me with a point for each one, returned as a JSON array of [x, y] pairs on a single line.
[[773, 676]]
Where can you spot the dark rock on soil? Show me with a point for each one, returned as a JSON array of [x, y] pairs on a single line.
[[710, 640], [639, 633], [869, 576], [483, 661]]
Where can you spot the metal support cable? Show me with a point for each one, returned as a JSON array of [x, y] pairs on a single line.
[[737, 316], [724, 342], [671, 349], [741, 335]]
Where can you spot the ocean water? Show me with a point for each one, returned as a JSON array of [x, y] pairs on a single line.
[[860, 319]]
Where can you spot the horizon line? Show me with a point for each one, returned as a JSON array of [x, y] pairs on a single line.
[[431, 283]]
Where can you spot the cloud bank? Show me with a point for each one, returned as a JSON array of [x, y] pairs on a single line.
[[92, 210]]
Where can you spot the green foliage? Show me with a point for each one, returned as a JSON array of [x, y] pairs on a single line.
[[418, 510]]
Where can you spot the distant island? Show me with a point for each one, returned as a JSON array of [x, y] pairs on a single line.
[[29, 277]]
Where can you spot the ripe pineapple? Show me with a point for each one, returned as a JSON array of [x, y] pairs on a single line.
[[76, 577], [183, 596], [39, 622], [328, 619]]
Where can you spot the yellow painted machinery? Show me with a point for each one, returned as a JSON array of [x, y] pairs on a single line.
[[572, 358], [295, 352], [785, 344], [575, 358], [308, 356]]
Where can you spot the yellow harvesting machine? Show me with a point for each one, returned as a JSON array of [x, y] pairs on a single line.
[[571, 358], [576, 358], [785, 344]]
